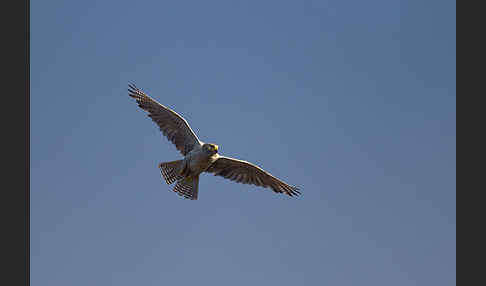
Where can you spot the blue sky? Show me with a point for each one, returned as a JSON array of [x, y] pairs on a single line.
[[353, 101]]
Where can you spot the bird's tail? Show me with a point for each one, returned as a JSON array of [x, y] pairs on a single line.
[[188, 187], [171, 171]]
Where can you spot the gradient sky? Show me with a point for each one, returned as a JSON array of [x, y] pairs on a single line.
[[353, 101]]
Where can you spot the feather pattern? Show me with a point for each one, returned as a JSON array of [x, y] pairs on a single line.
[[188, 187], [247, 173], [171, 171], [172, 125]]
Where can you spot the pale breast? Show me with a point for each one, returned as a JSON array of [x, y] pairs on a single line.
[[200, 162]]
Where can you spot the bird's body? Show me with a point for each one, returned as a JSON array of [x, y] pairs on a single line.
[[200, 157], [199, 161]]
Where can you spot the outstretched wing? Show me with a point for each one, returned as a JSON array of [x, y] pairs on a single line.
[[172, 125], [247, 173]]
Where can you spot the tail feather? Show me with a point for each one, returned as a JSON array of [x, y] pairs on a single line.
[[188, 187], [171, 171]]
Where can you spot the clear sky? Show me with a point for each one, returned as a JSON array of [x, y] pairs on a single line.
[[352, 101]]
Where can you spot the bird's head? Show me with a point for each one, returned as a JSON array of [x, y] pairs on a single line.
[[210, 148]]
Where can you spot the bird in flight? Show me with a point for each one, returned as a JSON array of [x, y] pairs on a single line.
[[200, 157]]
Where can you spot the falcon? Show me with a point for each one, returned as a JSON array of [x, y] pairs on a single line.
[[200, 157]]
